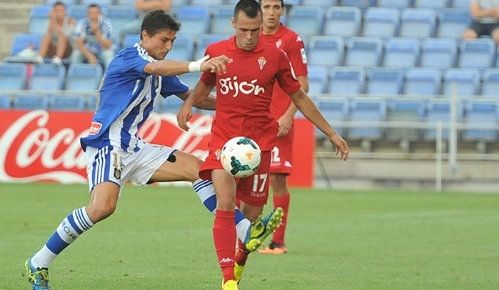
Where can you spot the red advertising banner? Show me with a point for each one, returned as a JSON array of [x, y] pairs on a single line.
[[45, 145]]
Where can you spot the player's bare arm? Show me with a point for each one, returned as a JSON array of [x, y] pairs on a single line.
[[309, 110], [199, 95], [286, 120], [174, 67]]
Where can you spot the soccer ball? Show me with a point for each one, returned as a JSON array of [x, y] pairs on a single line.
[[240, 156]]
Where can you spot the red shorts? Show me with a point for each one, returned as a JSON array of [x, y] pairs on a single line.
[[282, 154], [253, 190]]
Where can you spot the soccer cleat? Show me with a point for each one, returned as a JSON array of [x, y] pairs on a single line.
[[230, 285], [261, 228], [274, 249], [238, 272], [39, 277]]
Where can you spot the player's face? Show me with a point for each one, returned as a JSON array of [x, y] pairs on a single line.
[[272, 12], [59, 11], [94, 14], [247, 30], [159, 44]]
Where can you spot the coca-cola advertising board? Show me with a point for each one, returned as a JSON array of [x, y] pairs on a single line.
[[45, 145]]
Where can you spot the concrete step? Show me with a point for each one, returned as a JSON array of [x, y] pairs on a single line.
[[17, 25]]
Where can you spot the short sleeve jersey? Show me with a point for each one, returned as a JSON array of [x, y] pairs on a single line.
[[293, 46], [244, 92]]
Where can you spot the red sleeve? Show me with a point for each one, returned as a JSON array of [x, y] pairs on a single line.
[[297, 56], [209, 78], [285, 76]]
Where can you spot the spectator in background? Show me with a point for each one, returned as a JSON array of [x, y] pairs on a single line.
[[93, 38], [485, 15], [143, 6], [56, 41]]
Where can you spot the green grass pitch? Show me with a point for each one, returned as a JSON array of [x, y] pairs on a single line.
[[160, 238]]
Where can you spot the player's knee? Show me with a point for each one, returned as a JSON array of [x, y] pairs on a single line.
[[98, 212]]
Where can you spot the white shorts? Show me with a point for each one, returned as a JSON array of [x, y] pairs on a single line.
[[111, 164]]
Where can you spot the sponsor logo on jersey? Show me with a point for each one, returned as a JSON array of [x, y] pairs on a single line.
[[95, 128], [228, 85]]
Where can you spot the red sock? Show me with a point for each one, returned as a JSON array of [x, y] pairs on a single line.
[[224, 236], [241, 253], [283, 202]]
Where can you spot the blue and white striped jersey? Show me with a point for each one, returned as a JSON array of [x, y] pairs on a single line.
[[127, 96]]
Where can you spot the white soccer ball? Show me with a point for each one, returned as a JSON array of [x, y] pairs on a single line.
[[241, 156]]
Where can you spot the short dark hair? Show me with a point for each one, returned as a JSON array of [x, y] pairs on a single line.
[[249, 7], [158, 20], [57, 3]]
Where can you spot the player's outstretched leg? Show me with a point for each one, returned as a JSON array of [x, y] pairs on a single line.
[[39, 277], [262, 228]]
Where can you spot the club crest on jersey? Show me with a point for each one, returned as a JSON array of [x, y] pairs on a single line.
[[95, 128], [262, 62], [278, 43]]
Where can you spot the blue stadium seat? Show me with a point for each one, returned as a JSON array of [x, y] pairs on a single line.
[[317, 80], [401, 52], [24, 40], [356, 3], [91, 103], [47, 77], [83, 77], [127, 2], [342, 21], [12, 76], [221, 22], [439, 111], [384, 81], [31, 102], [5, 102], [394, 3], [194, 19], [39, 19], [120, 16], [335, 111], [371, 111], [435, 4], [130, 40], [363, 51], [207, 2], [453, 22], [172, 104], [190, 79], [405, 110], [306, 20], [480, 112], [99, 2], [490, 86], [381, 22], [417, 23], [326, 50], [439, 53], [463, 82], [182, 49], [461, 4], [346, 81], [67, 103], [323, 3], [423, 82], [477, 53], [204, 40]]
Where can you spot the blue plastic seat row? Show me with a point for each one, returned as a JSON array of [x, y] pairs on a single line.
[[45, 102]]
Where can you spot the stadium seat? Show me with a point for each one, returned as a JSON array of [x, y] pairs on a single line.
[[439, 111], [381, 22], [405, 110], [83, 77], [335, 111], [423, 82], [131, 40], [490, 86], [194, 19], [221, 22], [384, 81], [323, 3], [394, 3], [190, 79], [363, 51], [204, 40], [120, 16], [91, 103], [355, 3], [39, 19], [348, 81], [326, 50], [401, 52], [460, 4], [25, 40], [207, 2], [477, 53], [30, 102], [418, 23], [12, 76], [99, 2], [67, 103], [5, 102], [434, 4], [369, 111], [342, 21], [438, 53], [47, 77], [306, 20], [317, 80], [126, 2], [453, 22], [183, 49], [481, 113], [172, 104], [463, 82]]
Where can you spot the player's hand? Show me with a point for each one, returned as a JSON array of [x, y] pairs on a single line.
[[183, 116], [285, 124], [215, 64], [342, 148]]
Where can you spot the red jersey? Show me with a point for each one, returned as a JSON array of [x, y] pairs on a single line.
[[293, 46], [244, 92]]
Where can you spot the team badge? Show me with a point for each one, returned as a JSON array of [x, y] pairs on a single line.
[[278, 43], [261, 62]]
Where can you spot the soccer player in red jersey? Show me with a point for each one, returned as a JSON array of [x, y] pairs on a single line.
[[244, 93], [283, 110]]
